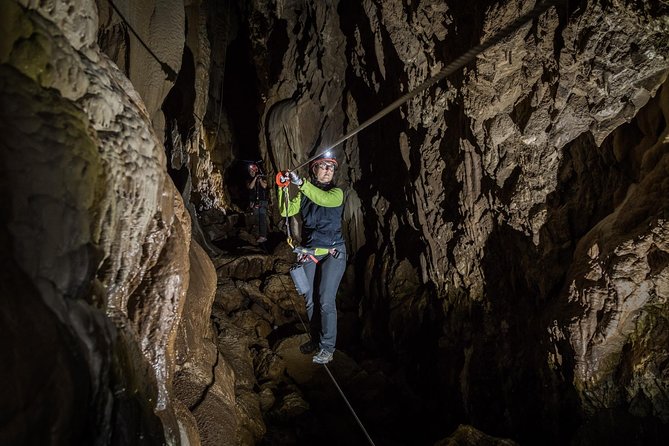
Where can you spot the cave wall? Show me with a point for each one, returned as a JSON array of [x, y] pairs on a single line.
[[507, 228], [300, 59], [472, 209], [97, 251], [175, 83], [161, 26], [613, 306]]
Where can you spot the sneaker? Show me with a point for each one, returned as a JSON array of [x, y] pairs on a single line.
[[261, 239], [323, 357], [308, 347]]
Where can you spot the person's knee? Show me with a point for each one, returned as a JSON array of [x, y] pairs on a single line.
[[328, 307]]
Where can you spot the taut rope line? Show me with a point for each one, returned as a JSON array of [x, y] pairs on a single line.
[[169, 71], [450, 69]]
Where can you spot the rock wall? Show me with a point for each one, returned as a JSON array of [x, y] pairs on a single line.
[[613, 311], [173, 78], [161, 26], [472, 208], [96, 242], [507, 228]]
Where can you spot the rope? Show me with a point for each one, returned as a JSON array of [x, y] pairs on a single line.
[[451, 68], [171, 74], [289, 237], [460, 62], [304, 326], [341, 392]]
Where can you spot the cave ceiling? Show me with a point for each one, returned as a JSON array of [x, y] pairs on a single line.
[[507, 227]]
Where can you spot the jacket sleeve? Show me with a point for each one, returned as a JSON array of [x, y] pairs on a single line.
[[326, 198], [293, 203]]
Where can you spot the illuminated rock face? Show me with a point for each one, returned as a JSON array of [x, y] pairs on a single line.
[[174, 85], [105, 283], [614, 302], [507, 229], [515, 213], [95, 225]]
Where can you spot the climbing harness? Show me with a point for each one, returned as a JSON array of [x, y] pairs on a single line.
[[304, 255], [451, 68]]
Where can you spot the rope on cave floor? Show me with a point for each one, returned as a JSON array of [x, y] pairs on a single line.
[[451, 68], [341, 392], [327, 369]]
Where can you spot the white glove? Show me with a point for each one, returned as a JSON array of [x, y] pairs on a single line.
[[283, 178], [295, 179]]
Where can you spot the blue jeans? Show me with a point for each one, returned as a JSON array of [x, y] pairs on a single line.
[[260, 212], [324, 278]]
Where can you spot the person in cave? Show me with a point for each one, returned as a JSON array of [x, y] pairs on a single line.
[[320, 204], [257, 186]]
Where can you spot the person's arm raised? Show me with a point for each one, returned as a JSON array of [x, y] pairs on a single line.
[[326, 198]]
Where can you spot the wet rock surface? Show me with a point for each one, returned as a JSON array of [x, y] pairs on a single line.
[[468, 435], [507, 229], [93, 222]]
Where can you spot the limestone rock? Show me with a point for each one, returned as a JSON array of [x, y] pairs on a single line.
[[617, 298], [467, 435], [291, 406], [243, 267], [235, 340], [95, 222], [267, 399], [268, 366], [161, 26], [202, 380], [229, 296]]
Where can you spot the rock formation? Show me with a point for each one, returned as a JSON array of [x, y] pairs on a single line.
[[95, 232], [507, 228]]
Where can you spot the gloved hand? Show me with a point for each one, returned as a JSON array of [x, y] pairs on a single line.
[[283, 177], [295, 179]]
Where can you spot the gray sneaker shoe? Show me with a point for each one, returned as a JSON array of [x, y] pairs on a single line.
[[322, 357]]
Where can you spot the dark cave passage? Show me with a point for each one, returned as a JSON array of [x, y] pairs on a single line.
[[476, 364], [241, 96], [506, 274], [179, 112]]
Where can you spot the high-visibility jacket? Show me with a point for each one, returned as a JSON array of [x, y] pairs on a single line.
[[321, 208]]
